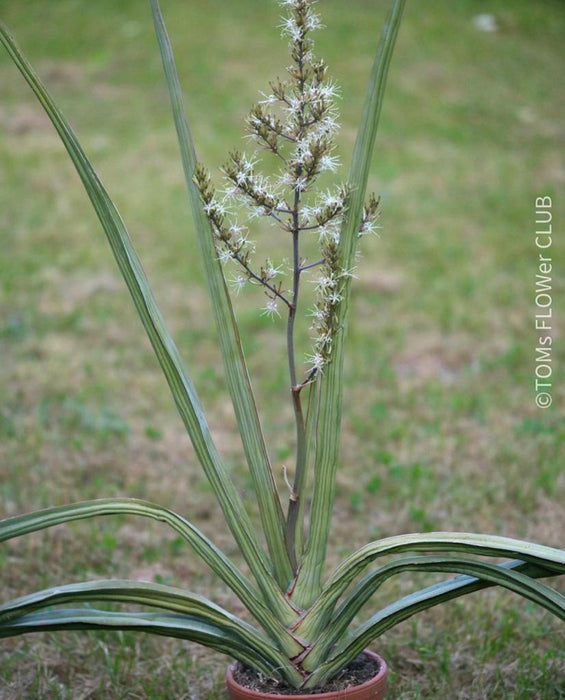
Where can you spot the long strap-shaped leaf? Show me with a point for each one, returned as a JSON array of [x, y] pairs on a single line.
[[366, 588], [438, 542], [513, 580], [237, 376], [138, 593], [204, 548], [184, 393], [148, 594], [165, 624], [328, 424]]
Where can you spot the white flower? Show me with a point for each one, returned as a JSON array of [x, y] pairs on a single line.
[[291, 29], [325, 341], [244, 242], [268, 99], [225, 255], [313, 22], [271, 308], [369, 228], [300, 183], [330, 231], [257, 212], [237, 283], [317, 313], [237, 229], [327, 126], [270, 271], [294, 106], [230, 192], [316, 360], [325, 282], [247, 164], [334, 298], [331, 200], [260, 184], [285, 180], [241, 177], [328, 90], [308, 216], [218, 207], [303, 152], [328, 162]]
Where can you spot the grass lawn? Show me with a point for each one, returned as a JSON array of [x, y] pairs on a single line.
[[441, 430]]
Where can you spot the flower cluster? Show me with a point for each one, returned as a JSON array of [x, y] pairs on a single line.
[[330, 293], [371, 213], [231, 240], [296, 122], [301, 130]]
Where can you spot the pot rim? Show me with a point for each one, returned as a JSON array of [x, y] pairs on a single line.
[[344, 693]]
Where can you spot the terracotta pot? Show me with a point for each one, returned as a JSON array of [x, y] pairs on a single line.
[[373, 689]]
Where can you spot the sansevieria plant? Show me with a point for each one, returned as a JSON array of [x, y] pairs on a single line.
[[304, 628]]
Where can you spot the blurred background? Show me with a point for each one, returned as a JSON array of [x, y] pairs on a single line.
[[441, 430]]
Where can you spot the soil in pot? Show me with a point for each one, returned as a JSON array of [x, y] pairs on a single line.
[[359, 671]]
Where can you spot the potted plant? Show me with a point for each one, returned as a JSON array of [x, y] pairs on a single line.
[[304, 639]]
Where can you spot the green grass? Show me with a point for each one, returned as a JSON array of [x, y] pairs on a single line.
[[441, 430]]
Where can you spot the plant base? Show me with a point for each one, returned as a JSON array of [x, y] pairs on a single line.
[[372, 689]]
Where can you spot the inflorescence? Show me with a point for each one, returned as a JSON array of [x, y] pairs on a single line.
[[297, 123]]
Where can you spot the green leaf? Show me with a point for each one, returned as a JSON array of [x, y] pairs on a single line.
[[135, 592], [438, 542], [148, 594], [237, 376], [404, 608], [165, 624], [204, 548], [181, 386], [366, 588], [328, 424]]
